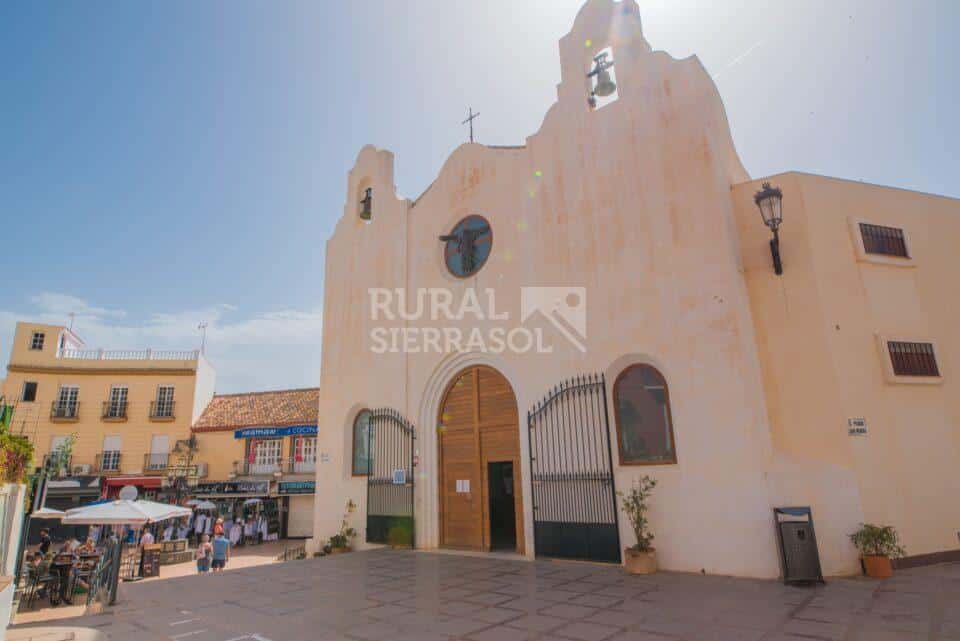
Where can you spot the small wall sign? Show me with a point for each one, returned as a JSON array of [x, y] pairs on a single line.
[[399, 476], [857, 426], [463, 486], [324, 457]]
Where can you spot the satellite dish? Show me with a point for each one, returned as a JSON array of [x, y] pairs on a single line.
[[128, 493]]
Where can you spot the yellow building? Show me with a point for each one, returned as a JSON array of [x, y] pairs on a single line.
[[128, 408], [260, 450]]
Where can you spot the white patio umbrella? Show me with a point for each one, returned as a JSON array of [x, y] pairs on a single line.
[[206, 505], [252, 501], [194, 502], [124, 511], [48, 513]]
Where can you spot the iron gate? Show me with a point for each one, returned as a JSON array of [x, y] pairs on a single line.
[[574, 499], [390, 479]]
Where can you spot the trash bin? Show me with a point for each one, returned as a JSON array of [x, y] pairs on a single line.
[[799, 557]]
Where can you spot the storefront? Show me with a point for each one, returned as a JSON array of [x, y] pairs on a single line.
[[252, 503], [149, 488], [299, 498]]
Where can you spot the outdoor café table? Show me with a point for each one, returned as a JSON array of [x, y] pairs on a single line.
[[61, 566], [82, 569]]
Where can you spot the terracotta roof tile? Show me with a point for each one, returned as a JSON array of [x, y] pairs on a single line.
[[260, 409]]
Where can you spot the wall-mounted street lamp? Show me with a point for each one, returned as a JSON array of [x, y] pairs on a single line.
[[770, 201]]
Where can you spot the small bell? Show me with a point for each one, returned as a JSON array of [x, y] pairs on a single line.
[[605, 85], [366, 204]]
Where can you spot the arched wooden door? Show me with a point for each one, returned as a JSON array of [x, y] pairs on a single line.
[[479, 442]]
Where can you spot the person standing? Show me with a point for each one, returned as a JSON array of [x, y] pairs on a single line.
[[147, 538], [221, 552], [203, 554]]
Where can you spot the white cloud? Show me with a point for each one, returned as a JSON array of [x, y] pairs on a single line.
[[263, 350]]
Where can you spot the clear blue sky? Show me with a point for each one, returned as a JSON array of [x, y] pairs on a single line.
[[163, 163]]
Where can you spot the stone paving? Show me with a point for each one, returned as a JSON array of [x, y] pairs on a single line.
[[415, 596]]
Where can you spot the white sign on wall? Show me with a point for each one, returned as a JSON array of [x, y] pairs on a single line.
[[857, 426], [463, 486], [399, 476]]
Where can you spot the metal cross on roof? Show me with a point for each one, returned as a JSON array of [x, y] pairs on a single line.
[[469, 119]]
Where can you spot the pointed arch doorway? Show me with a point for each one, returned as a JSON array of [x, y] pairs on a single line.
[[478, 441]]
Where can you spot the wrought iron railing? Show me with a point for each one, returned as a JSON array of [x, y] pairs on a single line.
[[293, 466], [246, 468], [154, 462], [65, 411], [115, 410], [108, 461], [162, 409], [57, 465]]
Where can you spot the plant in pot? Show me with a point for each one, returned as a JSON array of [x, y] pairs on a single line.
[[642, 557], [877, 545], [340, 542]]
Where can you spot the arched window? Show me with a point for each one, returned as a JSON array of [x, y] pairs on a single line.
[[361, 443], [642, 412]]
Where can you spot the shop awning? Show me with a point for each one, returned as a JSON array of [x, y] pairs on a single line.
[[139, 481], [74, 486]]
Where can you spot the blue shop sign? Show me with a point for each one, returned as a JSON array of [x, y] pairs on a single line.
[[296, 487], [272, 432]]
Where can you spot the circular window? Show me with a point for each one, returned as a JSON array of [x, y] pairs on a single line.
[[467, 246]]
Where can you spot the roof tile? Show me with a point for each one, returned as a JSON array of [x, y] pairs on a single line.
[[260, 409]]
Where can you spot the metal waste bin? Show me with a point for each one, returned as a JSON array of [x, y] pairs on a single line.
[[799, 557]]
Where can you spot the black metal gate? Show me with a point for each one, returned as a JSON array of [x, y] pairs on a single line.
[[574, 499], [390, 479]]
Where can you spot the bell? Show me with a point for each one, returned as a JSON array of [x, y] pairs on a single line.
[[605, 86]]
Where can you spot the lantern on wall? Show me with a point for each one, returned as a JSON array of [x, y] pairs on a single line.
[[770, 202]]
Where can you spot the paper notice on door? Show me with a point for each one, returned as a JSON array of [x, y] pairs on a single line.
[[463, 486]]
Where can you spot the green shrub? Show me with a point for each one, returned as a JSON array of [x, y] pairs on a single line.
[[634, 505], [878, 540], [16, 455]]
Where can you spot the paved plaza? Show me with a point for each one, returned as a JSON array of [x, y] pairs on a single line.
[[391, 595]]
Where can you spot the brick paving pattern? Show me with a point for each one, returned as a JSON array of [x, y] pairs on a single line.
[[410, 596]]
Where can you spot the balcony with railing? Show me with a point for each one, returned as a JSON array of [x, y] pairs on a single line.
[[155, 462], [108, 462], [56, 465], [246, 468], [114, 411], [65, 411], [293, 466], [162, 411]]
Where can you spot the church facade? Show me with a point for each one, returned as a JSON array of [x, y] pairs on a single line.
[[548, 323]]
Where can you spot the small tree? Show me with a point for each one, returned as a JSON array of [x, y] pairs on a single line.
[[634, 505], [878, 540], [342, 538]]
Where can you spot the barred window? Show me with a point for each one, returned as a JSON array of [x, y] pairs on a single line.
[[913, 359], [888, 241]]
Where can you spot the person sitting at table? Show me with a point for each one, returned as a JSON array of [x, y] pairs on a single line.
[[88, 547], [45, 541]]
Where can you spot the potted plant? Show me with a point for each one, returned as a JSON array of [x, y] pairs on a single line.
[[340, 542], [642, 557], [877, 545]]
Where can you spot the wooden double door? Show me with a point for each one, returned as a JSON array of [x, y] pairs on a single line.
[[481, 491]]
